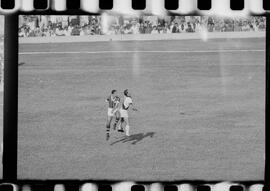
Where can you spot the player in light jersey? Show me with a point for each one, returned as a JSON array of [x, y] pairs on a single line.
[[111, 101], [126, 104]]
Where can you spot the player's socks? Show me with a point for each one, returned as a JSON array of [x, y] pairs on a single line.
[[115, 123], [117, 119], [107, 136], [120, 128], [120, 125], [107, 132], [127, 130]]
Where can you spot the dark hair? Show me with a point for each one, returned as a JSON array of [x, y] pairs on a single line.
[[113, 91], [125, 92]]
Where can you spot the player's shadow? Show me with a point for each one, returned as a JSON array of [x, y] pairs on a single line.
[[134, 138], [21, 63]]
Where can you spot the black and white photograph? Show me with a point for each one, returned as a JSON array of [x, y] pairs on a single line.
[[142, 98], [1, 87]]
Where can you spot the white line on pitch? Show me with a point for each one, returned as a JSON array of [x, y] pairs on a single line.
[[143, 51]]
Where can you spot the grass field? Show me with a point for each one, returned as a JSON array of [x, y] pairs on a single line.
[[201, 110]]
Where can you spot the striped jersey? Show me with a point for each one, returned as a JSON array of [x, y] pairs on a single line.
[[116, 101], [113, 101], [110, 100]]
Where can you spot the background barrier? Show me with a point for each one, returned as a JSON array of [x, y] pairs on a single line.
[[129, 37]]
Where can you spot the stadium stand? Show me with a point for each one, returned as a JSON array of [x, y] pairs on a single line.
[[1, 52], [53, 25]]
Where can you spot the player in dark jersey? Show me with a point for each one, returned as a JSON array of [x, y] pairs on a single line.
[[116, 111], [111, 101]]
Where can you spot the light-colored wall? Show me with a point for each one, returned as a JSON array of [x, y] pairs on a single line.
[[128, 37], [1, 25]]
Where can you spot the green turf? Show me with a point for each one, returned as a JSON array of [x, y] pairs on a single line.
[[201, 115]]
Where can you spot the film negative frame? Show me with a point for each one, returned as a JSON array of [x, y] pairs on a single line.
[[53, 8]]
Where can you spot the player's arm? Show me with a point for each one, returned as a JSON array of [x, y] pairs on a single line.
[[132, 107]]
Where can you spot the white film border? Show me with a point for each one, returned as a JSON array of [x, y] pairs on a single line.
[[125, 186], [153, 7]]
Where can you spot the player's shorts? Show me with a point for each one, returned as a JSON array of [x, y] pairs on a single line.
[[124, 113], [110, 114]]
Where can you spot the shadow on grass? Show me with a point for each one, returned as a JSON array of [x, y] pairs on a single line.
[[134, 138], [21, 63]]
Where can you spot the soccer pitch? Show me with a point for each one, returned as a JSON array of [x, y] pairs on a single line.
[[201, 110]]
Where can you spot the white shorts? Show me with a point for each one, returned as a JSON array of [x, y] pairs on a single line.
[[110, 114], [124, 113]]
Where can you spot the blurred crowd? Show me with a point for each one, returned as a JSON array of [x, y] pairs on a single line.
[[54, 25], [1, 47], [1, 59]]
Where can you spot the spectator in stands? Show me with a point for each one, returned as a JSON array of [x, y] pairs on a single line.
[[261, 26], [148, 28], [166, 28], [135, 28], [245, 26], [182, 28], [69, 29], [22, 32], [142, 28], [189, 27], [30, 27], [154, 31], [175, 28], [127, 29], [160, 27], [210, 24], [59, 31]]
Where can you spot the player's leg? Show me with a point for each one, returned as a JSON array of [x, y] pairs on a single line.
[[108, 124], [120, 126], [117, 118], [127, 126], [123, 114], [109, 119]]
